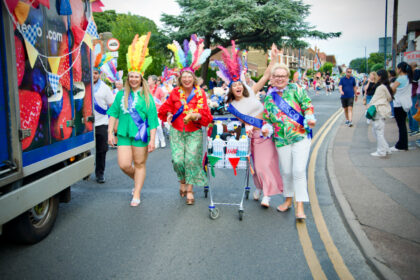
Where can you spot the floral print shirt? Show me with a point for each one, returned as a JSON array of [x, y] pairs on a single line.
[[286, 130]]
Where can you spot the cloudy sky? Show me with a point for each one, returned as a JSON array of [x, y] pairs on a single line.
[[361, 22]]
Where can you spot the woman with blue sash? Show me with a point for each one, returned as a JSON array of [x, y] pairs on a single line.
[[288, 108], [244, 104], [137, 118], [186, 111]]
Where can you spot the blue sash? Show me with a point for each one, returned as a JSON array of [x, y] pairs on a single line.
[[141, 125], [98, 108], [289, 111], [181, 109], [248, 119]]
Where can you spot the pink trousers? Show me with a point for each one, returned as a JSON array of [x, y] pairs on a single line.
[[266, 164]]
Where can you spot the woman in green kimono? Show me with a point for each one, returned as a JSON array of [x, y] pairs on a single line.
[[137, 118]]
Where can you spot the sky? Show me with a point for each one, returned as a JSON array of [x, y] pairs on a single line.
[[361, 22]]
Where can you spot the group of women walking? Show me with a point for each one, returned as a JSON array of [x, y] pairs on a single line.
[[280, 129]]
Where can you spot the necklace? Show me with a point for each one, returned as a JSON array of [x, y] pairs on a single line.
[[200, 102]]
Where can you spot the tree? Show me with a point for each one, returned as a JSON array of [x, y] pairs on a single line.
[[104, 20], [377, 66], [125, 27], [358, 64], [251, 23], [326, 68]]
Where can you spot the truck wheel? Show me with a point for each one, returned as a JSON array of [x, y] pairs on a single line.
[[35, 224]]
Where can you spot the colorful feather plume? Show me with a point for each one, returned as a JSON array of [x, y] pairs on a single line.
[[138, 58], [110, 68], [232, 69], [168, 74], [191, 55]]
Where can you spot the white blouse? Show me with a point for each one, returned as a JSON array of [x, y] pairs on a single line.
[[250, 106]]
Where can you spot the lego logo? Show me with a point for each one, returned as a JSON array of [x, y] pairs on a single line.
[[113, 44]]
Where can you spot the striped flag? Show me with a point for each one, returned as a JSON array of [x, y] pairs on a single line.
[[317, 62]]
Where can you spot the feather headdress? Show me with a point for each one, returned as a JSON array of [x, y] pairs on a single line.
[[110, 69], [100, 58], [138, 58], [168, 74], [230, 69], [191, 55]]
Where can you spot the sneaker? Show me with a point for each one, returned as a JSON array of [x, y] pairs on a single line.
[[163, 145], [265, 202], [100, 179], [376, 154], [414, 133], [393, 149], [350, 124], [257, 194], [347, 122], [418, 143]]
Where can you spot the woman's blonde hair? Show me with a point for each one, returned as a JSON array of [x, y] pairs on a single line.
[[189, 72], [280, 66], [145, 92], [375, 76]]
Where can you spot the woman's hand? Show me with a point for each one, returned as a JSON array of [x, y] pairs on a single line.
[[311, 123], [188, 118], [151, 146], [169, 118], [111, 139], [265, 132]]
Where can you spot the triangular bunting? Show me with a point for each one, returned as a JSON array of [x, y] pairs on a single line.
[[31, 33], [46, 3], [54, 62], [11, 4], [234, 162], [213, 160], [91, 29], [88, 40], [22, 11], [53, 80], [97, 6], [31, 52]]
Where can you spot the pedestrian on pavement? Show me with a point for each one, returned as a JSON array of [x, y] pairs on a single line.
[[136, 112], [102, 100], [348, 89], [413, 125], [187, 111], [402, 103], [289, 110], [159, 97], [392, 77], [370, 87], [244, 104], [381, 100]]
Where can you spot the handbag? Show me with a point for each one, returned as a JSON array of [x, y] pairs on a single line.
[[371, 112]]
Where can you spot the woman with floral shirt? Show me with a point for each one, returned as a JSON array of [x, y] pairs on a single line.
[[289, 110]]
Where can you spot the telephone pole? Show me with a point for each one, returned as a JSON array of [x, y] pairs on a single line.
[[394, 34], [386, 23]]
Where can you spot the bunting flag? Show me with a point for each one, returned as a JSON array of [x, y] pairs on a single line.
[[30, 33], [317, 62], [32, 53], [54, 62], [53, 79], [91, 29], [64, 8], [97, 6], [88, 40], [46, 3], [213, 160], [22, 11], [234, 162], [11, 4]]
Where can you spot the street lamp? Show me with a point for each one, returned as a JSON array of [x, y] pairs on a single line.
[[386, 23]]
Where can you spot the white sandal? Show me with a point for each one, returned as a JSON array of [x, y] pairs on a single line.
[[135, 202]]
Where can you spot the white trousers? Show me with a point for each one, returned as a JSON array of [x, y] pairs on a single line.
[[293, 159], [378, 128], [159, 135]]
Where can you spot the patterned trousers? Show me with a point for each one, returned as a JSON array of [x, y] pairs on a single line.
[[187, 155]]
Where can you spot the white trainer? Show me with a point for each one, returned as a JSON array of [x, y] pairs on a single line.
[[376, 154], [265, 202], [257, 194]]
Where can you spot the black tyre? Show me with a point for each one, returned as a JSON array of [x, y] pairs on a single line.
[[241, 215], [247, 194], [35, 224]]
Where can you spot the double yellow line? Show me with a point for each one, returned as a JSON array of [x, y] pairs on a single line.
[[332, 251]]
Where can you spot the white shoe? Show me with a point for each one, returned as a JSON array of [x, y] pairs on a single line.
[[257, 194], [376, 154], [393, 149], [163, 145], [265, 202]]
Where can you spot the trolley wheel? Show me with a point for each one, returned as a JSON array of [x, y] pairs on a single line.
[[214, 213], [206, 191], [241, 214], [247, 194]]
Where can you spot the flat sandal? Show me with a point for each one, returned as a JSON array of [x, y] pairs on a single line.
[[190, 201]]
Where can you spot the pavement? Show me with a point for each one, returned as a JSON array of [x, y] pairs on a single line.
[[379, 197]]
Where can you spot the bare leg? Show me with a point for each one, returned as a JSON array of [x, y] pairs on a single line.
[[299, 209], [350, 113], [140, 157], [346, 112], [286, 205], [125, 160], [190, 194]]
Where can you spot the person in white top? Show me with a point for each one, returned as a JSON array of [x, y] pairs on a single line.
[[103, 98]]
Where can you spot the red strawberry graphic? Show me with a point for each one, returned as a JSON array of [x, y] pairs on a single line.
[[64, 63], [20, 59], [87, 107], [30, 105], [60, 129], [77, 66]]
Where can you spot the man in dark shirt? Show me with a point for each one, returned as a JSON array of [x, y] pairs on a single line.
[[348, 88]]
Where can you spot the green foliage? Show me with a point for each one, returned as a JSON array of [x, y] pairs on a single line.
[[326, 68], [105, 20], [310, 72], [358, 64], [377, 66], [251, 23], [256, 79], [292, 72], [125, 27]]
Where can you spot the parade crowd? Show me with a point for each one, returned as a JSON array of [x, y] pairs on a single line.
[[277, 119]]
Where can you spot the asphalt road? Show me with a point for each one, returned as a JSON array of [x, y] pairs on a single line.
[[98, 236]]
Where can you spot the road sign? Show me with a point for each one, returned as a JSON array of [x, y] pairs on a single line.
[[113, 44]]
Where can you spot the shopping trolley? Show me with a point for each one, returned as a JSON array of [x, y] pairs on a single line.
[[225, 162]]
